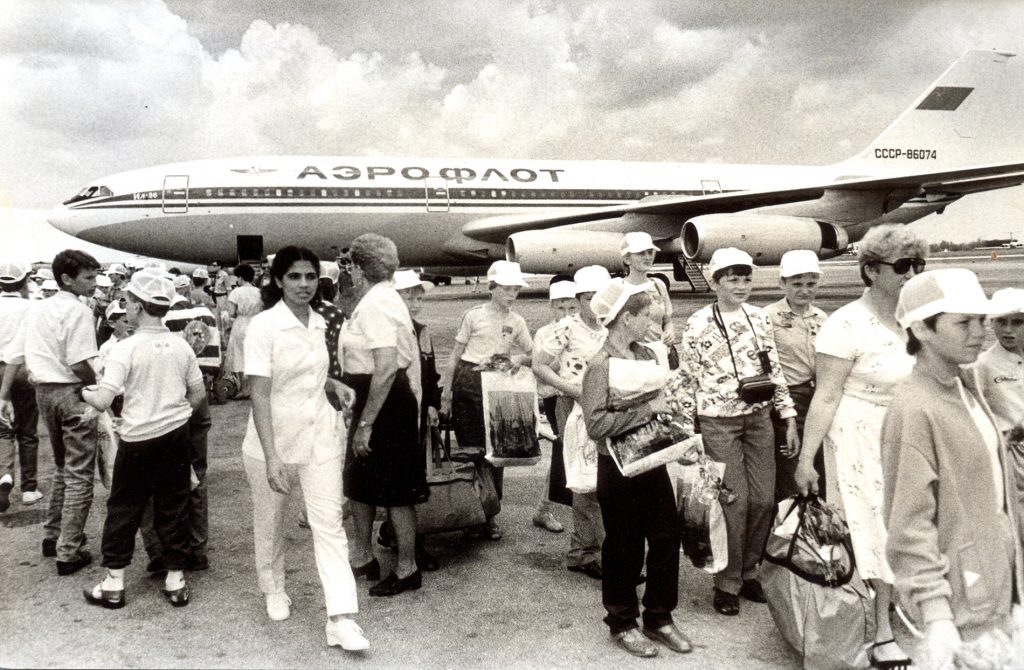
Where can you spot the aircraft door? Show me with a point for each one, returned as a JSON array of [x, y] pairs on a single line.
[[436, 193], [175, 194], [710, 186]]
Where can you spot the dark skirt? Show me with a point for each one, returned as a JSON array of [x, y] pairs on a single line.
[[394, 473], [468, 419]]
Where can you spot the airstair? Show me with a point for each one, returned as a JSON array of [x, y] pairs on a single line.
[[692, 273]]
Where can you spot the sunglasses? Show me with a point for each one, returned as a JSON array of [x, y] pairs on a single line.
[[901, 266]]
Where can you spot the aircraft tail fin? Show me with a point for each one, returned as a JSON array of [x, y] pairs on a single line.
[[965, 118]]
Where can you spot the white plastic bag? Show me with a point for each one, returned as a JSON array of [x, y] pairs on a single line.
[[579, 453]]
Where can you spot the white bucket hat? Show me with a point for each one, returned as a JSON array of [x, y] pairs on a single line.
[[506, 273], [1008, 301], [949, 290], [13, 271], [609, 301], [727, 257], [330, 270], [561, 290], [406, 279], [591, 279], [799, 262], [151, 288], [635, 243]]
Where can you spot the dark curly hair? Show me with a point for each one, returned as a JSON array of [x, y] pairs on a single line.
[[285, 258]]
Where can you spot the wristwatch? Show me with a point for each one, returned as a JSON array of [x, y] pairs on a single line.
[[364, 424]]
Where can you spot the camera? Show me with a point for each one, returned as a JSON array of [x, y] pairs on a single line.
[[758, 388]]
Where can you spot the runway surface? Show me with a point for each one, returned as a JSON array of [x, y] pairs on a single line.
[[504, 604]]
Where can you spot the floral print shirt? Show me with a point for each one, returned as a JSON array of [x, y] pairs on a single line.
[[705, 355]]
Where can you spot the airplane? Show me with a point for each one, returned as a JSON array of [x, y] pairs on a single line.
[[458, 215]]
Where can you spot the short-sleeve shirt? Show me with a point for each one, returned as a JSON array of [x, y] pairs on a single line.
[[379, 320], [12, 312], [246, 299], [794, 338], [544, 332], [155, 368], [574, 343], [486, 332], [294, 358], [879, 354], [58, 332], [1002, 380]]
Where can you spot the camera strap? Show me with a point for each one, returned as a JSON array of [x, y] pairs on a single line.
[[720, 322]]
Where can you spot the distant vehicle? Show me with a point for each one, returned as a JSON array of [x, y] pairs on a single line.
[[557, 216], [1013, 245]]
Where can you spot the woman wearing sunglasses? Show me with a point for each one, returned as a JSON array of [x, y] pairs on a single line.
[[861, 358]]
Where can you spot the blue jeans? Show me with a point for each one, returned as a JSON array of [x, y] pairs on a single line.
[[22, 432], [73, 435]]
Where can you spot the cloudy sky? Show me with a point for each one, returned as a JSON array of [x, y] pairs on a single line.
[[97, 87]]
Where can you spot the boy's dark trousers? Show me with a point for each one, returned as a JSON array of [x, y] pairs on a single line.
[[157, 469], [785, 468]]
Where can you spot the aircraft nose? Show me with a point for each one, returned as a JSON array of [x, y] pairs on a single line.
[[63, 219]]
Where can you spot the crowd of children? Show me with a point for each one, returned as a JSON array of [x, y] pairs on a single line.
[[791, 400]]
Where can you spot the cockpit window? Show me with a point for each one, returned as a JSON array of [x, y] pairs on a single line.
[[89, 192]]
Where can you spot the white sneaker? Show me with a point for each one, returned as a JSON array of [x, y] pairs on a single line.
[[346, 634], [31, 497], [278, 606]]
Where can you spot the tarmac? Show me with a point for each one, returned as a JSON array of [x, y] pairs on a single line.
[[494, 604]]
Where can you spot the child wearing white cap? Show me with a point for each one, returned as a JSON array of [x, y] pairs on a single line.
[[198, 295], [729, 351], [1001, 368], [162, 386], [952, 541], [486, 330], [562, 359], [562, 298], [18, 437], [796, 321], [639, 512], [116, 319]]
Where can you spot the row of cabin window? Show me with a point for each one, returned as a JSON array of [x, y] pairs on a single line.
[[418, 193]]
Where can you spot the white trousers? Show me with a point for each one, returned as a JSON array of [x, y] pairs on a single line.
[[321, 491]]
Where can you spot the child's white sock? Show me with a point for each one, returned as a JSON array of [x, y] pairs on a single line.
[[114, 581], [175, 580]]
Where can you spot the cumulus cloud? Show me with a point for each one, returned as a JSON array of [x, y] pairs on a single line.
[[99, 87]]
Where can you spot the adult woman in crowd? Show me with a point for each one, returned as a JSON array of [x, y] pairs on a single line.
[[384, 463], [861, 357], [637, 251], [291, 439], [487, 329], [949, 500], [635, 509], [243, 304]]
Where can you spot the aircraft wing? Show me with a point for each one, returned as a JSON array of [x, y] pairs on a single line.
[[945, 183]]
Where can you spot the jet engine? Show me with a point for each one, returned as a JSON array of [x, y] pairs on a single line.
[[764, 236], [565, 251]]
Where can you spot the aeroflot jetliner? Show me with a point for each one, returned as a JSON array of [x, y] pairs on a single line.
[[553, 216]]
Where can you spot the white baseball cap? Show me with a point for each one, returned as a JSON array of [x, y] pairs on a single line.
[[330, 270], [151, 288], [181, 281], [799, 262], [13, 271], [200, 273], [609, 301], [727, 257], [635, 243], [43, 273], [114, 308], [560, 290], [949, 290], [1008, 301], [178, 299], [506, 273], [591, 279], [103, 281], [405, 279], [117, 269], [49, 285]]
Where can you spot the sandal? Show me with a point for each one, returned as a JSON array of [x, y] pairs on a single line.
[[177, 597], [890, 664]]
